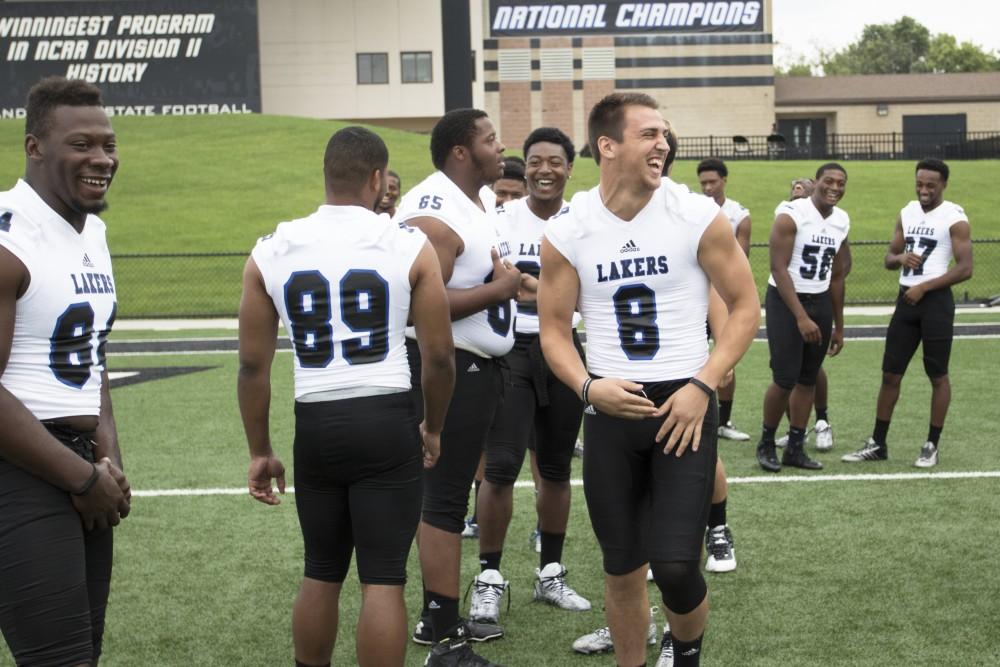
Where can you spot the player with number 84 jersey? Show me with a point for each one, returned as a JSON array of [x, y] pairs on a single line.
[[65, 315]]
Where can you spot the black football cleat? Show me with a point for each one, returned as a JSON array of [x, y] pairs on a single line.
[[767, 457]]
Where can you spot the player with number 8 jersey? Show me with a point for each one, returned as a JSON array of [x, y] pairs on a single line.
[[638, 254]]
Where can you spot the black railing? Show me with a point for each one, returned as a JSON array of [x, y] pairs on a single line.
[[863, 146], [209, 284]]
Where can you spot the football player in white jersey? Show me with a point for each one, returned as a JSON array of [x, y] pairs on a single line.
[[61, 480], [455, 211], [537, 407], [637, 255], [810, 258], [344, 281], [929, 233], [803, 187]]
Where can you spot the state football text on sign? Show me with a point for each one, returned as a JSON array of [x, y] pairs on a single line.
[[520, 17], [168, 56]]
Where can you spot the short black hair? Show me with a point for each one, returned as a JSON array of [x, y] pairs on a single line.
[[352, 154], [828, 167], [552, 135], [390, 172], [714, 164], [455, 128], [513, 167], [934, 164], [56, 91], [607, 118], [672, 154]]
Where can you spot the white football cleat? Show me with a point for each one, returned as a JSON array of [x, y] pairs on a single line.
[[729, 432], [551, 587], [824, 435]]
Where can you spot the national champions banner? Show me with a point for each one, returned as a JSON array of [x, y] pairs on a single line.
[[148, 57], [521, 18]]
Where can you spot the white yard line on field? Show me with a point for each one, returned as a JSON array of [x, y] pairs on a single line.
[[523, 484]]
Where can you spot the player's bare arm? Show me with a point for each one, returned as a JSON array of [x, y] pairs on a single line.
[[728, 271], [718, 314], [25, 442], [558, 292], [464, 302], [898, 255], [258, 340], [106, 444], [743, 230], [838, 280], [961, 248], [430, 313], [781, 245]]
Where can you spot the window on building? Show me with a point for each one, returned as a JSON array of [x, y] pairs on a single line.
[[416, 66], [373, 68]]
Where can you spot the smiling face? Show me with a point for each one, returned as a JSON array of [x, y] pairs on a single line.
[[546, 171], [930, 188], [487, 152], [72, 165], [391, 197], [830, 188], [641, 153]]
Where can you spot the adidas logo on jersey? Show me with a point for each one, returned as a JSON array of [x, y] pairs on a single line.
[[86, 261], [630, 247], [473, 368], [589, 410]]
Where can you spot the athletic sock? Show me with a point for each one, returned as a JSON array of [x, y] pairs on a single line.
[[475, 503], [767, 435], [821, 415], [796, 437], [717, 514], [552, 548], [490, 561], [725, 412], [425, 610], [880, 432], [934, 434], [444, 614], [687, 654]]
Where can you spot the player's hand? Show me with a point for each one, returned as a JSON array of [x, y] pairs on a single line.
[[123, 484], [262, 470], [911, 260], [620, 398], [505, 275], [432, 445], [836, 342], [685, 412], [913, 295], [529, 288], [104, 504], [727, 380], [809, 330]]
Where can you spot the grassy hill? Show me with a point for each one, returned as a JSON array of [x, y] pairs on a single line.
[[215, 183]]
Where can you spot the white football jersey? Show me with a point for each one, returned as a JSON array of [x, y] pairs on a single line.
[[735, 212], [340, 281], [62, 321], [929, 235], [524, 230], [643, 294], [817, 240], [489, 332]]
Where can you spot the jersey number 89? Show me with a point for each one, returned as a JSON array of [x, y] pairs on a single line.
[[364, 308]]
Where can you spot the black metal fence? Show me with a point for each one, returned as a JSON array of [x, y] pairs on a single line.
[[209, 284], [867, 146]]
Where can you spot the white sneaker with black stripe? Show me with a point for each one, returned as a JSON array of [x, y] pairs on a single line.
[[488, 588], [599, 641], [928, 456], [719, 545], [870, 451], [551, 587], [666, 658]]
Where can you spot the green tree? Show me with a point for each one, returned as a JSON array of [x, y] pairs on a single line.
[[800, 68], [886, 48], [945, 54]]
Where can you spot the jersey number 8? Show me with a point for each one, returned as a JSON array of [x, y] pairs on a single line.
[[635, 309]]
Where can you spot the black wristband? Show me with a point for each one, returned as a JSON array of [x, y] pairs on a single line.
[[89, 484], [701, 385], [586, 390]]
